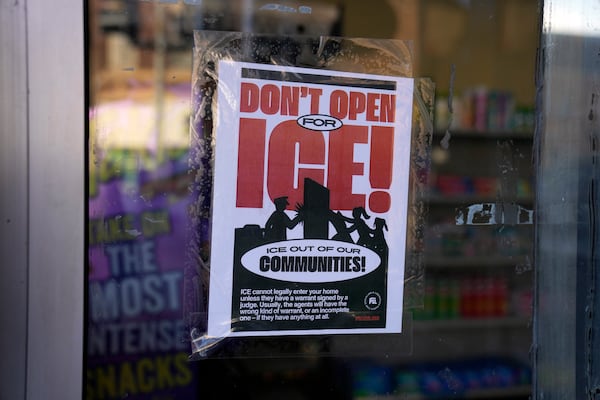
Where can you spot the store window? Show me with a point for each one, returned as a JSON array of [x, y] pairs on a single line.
[[477, 240], [468, 301]]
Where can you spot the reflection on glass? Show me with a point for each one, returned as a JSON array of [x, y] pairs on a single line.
[[471, 331]]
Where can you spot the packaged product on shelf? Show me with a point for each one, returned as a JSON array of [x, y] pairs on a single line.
[[454, 185], [480, 109], [490, 110], [500, 297], [442, 306], [522, 302], [500, 111], [485, 186], [427, 311], [465, 296], [524, 119], [447, 116], [460, 379], [372, 380]]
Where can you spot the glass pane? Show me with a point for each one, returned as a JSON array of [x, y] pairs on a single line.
[[466, 326], [566, 241]]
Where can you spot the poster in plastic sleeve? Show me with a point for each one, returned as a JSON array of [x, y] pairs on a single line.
[[311, 183]]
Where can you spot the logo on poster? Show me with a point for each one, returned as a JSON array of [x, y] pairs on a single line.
[[372, 300]]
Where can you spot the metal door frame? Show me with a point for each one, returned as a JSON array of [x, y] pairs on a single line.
[[42, 114]]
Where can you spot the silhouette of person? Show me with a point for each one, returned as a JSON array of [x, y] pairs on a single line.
[[339, 224], [279, 222], [378, 242], [360, 226]]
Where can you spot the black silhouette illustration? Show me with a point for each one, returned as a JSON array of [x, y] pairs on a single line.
[[318, 222], [342, 231], [378, 243], [316, 217], [279, 222], [315, 210], [359, 225]]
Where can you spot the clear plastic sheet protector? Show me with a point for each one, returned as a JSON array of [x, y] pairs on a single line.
[[310, 158]]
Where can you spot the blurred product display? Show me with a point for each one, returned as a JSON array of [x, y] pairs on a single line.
[[473, 378]]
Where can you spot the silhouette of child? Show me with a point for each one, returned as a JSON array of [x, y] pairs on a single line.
[[360, 226], [338, 220], [378, 242]]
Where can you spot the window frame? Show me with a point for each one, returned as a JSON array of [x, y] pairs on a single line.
[[43, 198]]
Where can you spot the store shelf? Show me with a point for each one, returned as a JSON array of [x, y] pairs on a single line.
[[495, 393], [471, 324], [477, 288], [475, 134], [498, 393], [471, 262], [469, 199]]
